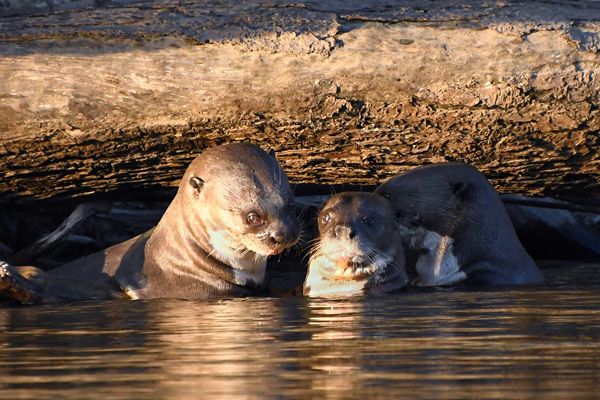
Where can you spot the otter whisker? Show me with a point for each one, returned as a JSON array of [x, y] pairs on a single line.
[[300, 214], [299, 244], [209, 255], [313, 241], [307, 254], [313, 251], [258, 257], [245, 252], [301, 236], [294, 248]]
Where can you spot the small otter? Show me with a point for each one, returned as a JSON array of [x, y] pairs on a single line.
[[357, 250], [233, 209], [456, 220]]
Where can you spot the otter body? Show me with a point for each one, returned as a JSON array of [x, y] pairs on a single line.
[[452, 216], [233, 209]]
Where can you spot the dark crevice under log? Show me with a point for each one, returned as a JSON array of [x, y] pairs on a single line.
[[49, 237], [100, 98]]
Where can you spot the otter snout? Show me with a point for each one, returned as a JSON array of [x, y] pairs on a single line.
[[345, 242], [285, 237], [284, 234], [344, 232]]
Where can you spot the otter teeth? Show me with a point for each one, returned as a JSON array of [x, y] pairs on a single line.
[[350, 272], [366, 271]]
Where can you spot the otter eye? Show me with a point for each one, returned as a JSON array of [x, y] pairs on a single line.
[[386, 195], [253, 219], [325, 219], [368, 221]]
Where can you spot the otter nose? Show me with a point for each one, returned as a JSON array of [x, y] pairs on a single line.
[[285, 235], [277, 237], [343, 231]]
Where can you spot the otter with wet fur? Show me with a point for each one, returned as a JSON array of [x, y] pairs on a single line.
[[453, 217], [233, 209], [357, 251]]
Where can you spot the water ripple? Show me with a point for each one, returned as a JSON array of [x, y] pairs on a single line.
[[505, 343]]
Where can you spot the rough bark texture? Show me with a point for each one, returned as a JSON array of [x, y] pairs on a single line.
[[97, 96]]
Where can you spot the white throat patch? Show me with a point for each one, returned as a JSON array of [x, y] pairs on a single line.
[[248, 266]]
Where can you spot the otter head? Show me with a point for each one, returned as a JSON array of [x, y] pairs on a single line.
[[356, 243], [238, 199], [354, 229], [430, 196]]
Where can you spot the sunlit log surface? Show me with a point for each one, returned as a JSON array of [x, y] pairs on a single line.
[[105, 96]]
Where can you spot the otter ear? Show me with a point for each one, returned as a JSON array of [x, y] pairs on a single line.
[[460, 189], [197, 183], [272, 153]]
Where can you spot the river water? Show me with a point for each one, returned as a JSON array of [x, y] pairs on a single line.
[[538, 342]]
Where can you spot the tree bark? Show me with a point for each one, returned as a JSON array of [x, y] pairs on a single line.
[[100, 96]]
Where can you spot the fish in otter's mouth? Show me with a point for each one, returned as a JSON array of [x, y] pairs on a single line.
[[355, 268]]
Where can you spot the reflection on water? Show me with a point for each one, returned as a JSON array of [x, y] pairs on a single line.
[[511, 343]]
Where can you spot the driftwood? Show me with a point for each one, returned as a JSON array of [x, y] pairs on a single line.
[[43, 244], [105, 96]]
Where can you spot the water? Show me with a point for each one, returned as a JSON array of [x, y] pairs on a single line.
[[506, 343]]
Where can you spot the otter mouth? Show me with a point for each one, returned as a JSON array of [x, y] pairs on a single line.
[[264, 252], [263, 246], [352, 270], [277, 250]]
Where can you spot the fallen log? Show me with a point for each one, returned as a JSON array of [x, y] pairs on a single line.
[[102, 97]]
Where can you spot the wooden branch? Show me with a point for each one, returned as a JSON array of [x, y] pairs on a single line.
[[545, 202], [80, 214], [98, 97]]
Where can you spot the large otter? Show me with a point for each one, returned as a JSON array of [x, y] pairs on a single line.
[[234, 208], [453, 216], [357, 250]]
